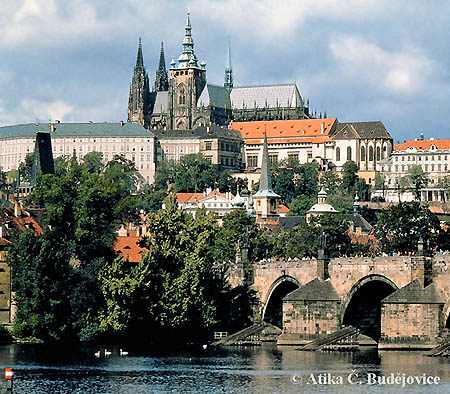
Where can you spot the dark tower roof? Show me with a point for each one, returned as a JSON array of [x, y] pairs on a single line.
[[161, 79], [265, 181]]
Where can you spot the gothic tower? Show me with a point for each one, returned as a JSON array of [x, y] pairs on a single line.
[[187, 81], [161, 79], [139, 99], [228, 84]]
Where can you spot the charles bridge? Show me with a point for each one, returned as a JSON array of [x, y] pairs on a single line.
[[396, 301]]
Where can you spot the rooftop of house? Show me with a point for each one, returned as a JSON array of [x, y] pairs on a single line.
[[128, 247], [415, 293], [212, 131], [89, 129], [422, 145], [313, 130]]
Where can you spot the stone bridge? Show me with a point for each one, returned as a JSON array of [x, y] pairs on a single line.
[[393, 300]]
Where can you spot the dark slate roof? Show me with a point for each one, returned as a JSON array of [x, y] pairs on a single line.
[[316, 290], [76, 130], [415, 293], [214, 96], [161, 103], [283, 95], [359, 221], [288, 222], [369, 130], [199, 132]]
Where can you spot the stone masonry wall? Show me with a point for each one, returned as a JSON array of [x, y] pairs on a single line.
[[412, 323], [310, 319]]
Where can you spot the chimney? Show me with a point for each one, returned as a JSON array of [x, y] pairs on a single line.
[[322, 127], [17, 209], [122, 123]]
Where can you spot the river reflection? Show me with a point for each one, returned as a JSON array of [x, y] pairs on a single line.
[[265, 369]]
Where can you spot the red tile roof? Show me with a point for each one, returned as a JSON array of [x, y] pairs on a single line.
[[283, 208], [280, 129], [422, 145], [188, 197], [128, 248]]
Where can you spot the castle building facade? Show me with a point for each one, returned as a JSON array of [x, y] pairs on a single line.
[[183, 99], [77, 139]]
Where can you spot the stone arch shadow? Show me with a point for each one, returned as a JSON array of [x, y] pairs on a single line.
[[272, 308], [362, 305]]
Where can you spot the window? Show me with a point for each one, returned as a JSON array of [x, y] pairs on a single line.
[[371, 153], [309, 155], [273, 159], [182, 96], [363, 153], [349, 153], [292, 156], [208, 145], [379, 153], [338, 154], [252, 161]]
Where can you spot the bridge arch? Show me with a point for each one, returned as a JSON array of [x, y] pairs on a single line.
[[362, 305], [272, 310]]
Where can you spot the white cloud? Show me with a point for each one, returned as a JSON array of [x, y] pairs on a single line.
[[44, 110], [405, 71]]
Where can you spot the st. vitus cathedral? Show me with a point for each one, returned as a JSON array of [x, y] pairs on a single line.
[[182, 99]]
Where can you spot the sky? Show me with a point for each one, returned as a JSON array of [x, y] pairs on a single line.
[[357, 60]]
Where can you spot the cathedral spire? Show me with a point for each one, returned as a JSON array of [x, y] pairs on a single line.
[[139, 57], [228, 84], [187, 57], [139, 99], [161, 80]]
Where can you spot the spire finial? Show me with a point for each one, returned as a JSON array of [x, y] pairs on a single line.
[[139, 56], [228, 84]]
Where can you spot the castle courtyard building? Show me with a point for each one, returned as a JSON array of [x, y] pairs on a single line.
[[77, 139]]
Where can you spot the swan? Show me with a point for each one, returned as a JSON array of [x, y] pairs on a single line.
[[123, 353], [97, 354], [107, 353], [205, 347]]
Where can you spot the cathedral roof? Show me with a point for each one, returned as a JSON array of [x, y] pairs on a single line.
[[281, 129], [76, 130], [161, 103], [282, 95], [369, 130], [214, 96]]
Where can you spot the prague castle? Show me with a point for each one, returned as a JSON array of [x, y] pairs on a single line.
[[182, 99]]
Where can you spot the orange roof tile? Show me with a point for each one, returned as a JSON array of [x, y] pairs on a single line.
[[283, 208], [187, 197], [300, 128], [422, 145], [128, 248]]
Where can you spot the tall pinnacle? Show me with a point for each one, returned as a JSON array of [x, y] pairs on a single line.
[[265, 181], [161, 79], [228, 84], [139, 56], [187, 57]]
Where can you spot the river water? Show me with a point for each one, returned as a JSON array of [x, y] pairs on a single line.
[[265, 369]]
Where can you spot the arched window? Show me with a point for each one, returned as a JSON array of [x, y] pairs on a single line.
[[363, 153], [370, 153], [338, 154], [384, 152], [182, 96], [349, 153], [378, 153]]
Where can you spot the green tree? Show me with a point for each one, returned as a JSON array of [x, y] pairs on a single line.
[[417, 179], [349, 176], [41, 283], [400, 227], [331, 182], [300, 205], [26, 166]]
